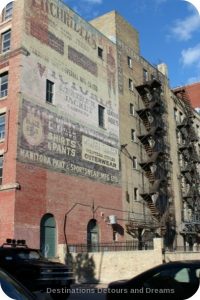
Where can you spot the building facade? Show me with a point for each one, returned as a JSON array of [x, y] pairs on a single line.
[[186, 150], [144, 136], [60, 178], [152, 171]]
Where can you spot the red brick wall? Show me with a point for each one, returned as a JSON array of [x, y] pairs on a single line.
[[6, 215], [44, 191], [11, 62], [193, 91]]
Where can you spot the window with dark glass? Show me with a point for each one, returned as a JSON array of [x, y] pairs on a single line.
[[132, 110], [7, 12], [101, 116], [1, 169], [100, 52], [2, 126], [3, 85], [134, 160], [5, 40], [49, 91]]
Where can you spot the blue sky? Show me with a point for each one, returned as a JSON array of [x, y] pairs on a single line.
[[169, 31]]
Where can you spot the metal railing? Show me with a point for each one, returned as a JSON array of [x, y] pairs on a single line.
[[108, 247]]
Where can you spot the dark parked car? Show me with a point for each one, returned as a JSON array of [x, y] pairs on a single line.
[[13, 289], [174, 280], [33, 270]]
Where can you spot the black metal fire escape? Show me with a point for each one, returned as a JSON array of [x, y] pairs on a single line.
[[156, 165], [187, 138]]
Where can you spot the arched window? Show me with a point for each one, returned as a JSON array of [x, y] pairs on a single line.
[[7, 11], [48, 235], [92, 235]]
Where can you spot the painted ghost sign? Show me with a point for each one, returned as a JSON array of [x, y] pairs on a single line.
[[57, 143]]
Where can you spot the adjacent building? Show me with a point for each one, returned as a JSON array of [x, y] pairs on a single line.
[[145, 157], [186, 150], [193, 94]]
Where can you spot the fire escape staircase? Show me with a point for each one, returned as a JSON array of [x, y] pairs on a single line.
[[191, 194], [151, 115]]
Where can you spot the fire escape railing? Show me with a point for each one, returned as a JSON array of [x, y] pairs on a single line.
[[188, 168], [156, 166]]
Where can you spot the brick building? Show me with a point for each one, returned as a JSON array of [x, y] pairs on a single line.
[[143, 101], [193, 94], [89, 149], [60, 178], [153, 197]]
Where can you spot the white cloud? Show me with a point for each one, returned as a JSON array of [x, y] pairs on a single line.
[[183, 29], [93, 1], [191, 56]]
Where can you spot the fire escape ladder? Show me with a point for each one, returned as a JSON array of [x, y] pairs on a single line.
[[143, 114], [154, 142], [148, 200], [193, 135], [148, 149], [182, 94], [195, 156]]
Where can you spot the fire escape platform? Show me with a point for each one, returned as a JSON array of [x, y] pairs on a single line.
[[151, 159], [151, 83]]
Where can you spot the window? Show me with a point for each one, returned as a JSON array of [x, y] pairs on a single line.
[[1, 169], [176, 114], [134, 159], [181, 116], [135, 194], [145, 75], [100, 52], [49, 91], [130, 84], [5, 40], [2, 126], [197, 130], [101, 115], [133, 136], [3, 84], [132, 110], [92, 235], [7, 12], [130, 63], [48, 235]]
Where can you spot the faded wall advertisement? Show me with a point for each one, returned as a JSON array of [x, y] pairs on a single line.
[[65, 135], [56, 143]]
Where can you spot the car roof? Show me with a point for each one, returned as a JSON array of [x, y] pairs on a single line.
[[166, 265], [18, 248], [193, 261]]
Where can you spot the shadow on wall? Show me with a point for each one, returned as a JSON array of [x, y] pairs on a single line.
[[83, 267]]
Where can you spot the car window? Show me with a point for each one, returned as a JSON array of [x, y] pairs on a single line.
[[169, 277], [182, 275], [28, 255], [197, 273]]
